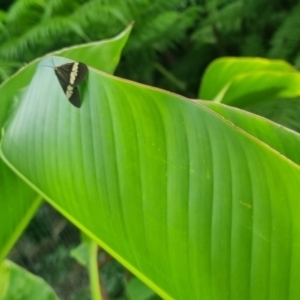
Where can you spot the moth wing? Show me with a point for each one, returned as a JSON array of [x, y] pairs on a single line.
[[69, 76], [71, 73], [80, 73], [63, 74], [75, 97]]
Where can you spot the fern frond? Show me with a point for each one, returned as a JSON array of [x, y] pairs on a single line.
[[152, 32], [253, 45], [97, 14], [61, 7], [297, 62], [91, 14], [4, 34], [25, 12], [227, 18], [3, 15], [7, 68], [44, 34], [286, 40]]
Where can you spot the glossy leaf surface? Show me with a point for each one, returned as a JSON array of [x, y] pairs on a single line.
[[243, 82], [18, 202], [190, 202]]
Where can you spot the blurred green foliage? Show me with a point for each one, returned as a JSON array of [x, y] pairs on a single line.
[[172, 41]]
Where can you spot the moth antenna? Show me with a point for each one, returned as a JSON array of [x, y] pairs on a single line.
[[48, 66], [53, 67]]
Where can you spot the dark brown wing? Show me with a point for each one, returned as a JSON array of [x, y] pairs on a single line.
[[69, 76], [63, 73], [80, 74], [72, 73], [75, 97]]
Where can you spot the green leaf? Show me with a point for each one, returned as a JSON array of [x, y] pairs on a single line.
[[190, 202], [18, 202], [284, 141], [17, 283], [244, 81], [138, 290], [81, 254]]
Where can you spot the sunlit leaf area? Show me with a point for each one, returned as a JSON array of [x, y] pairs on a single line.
[[149, 150]]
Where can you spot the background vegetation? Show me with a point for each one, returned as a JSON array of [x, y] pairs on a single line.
[[170, 47], [172, 41]]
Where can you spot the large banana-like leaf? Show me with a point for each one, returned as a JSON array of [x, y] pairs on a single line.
[[18, 202], [243, 82], [198, 207], [281, 139], [18, 283]]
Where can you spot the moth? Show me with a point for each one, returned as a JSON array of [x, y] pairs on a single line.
[[70, 75]]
